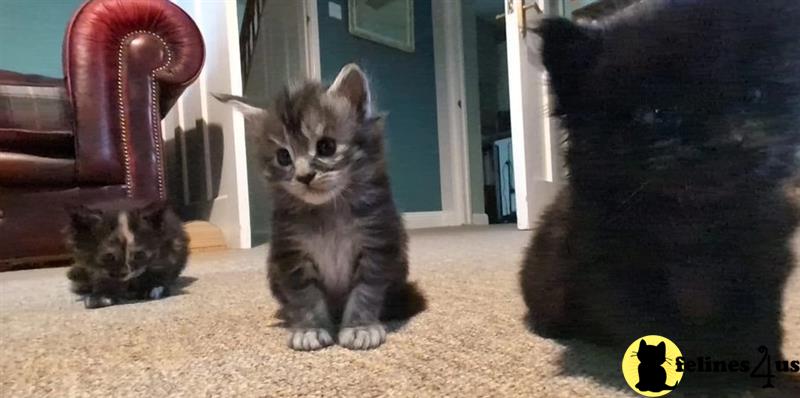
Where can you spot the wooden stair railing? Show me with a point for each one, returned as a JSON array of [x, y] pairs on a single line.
[[251, 22]]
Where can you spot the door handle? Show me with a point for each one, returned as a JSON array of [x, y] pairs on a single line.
[[520, 9]]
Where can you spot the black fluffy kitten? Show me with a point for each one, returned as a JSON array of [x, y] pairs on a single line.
[[338, 253], [125, 250], [683, 125]]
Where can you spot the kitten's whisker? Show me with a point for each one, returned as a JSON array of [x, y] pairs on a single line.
[[626, 203]]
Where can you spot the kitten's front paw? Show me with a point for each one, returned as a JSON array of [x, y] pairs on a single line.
[[92, 302], [158, 292], [362, 337], [309, 339]]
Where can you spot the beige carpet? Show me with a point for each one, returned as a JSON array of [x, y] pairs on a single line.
[[219, 338]]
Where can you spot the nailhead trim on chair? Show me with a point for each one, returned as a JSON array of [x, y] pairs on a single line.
[[122, 120]]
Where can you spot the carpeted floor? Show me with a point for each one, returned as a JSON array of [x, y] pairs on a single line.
[[219, 338]]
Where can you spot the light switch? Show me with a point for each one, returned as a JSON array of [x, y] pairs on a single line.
[[334, 10]]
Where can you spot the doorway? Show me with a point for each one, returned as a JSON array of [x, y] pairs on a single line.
[[496, 146], [274, 46], [537, 139], [434, 158]]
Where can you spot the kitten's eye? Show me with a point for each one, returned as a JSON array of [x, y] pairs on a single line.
[[284, 158], [754, 96], [326, 146], [139, 256], [659, 117], [648, 117]]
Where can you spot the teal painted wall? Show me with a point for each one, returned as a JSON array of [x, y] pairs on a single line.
[[404, 85], [31, 34]]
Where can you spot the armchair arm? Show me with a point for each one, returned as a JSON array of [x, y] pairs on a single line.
[[126, 63]]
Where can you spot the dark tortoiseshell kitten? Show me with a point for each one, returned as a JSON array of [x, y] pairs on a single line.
[[683, 127], [337, 259], [124, 250]]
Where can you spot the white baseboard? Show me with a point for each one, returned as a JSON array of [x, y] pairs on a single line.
[[434, 219], [427, 219], [480, 219]]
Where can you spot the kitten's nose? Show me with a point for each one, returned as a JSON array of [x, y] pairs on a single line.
[[306, 179]]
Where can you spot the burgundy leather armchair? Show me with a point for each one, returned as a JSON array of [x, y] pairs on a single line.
[[96, 134]]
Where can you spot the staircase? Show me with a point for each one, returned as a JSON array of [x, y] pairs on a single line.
[[251, 22]]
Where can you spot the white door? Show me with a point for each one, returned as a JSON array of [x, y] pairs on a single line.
[[206, 155], [538, 165]]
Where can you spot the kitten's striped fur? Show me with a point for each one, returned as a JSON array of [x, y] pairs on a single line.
[[338, 251]]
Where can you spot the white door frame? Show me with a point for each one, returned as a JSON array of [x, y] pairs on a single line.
[[454, 172], [313, 66], [538, 172]]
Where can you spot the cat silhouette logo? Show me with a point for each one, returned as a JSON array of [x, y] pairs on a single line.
[[649, 366]]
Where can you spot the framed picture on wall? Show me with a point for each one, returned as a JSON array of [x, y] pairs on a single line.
[[389, 22]]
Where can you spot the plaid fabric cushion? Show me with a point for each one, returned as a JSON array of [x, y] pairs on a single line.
[[35, 116], [33, 103]]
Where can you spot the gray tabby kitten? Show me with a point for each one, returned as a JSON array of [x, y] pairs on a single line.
[[338, 250], [125, 250]]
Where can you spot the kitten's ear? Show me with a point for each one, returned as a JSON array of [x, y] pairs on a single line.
[[642, 345], [243, 105], [568, 49], [351, 84], [83, 218], [662, 347], [153, 214]]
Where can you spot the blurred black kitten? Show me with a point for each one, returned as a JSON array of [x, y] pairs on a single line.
[[125, 250], [683, 127]]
